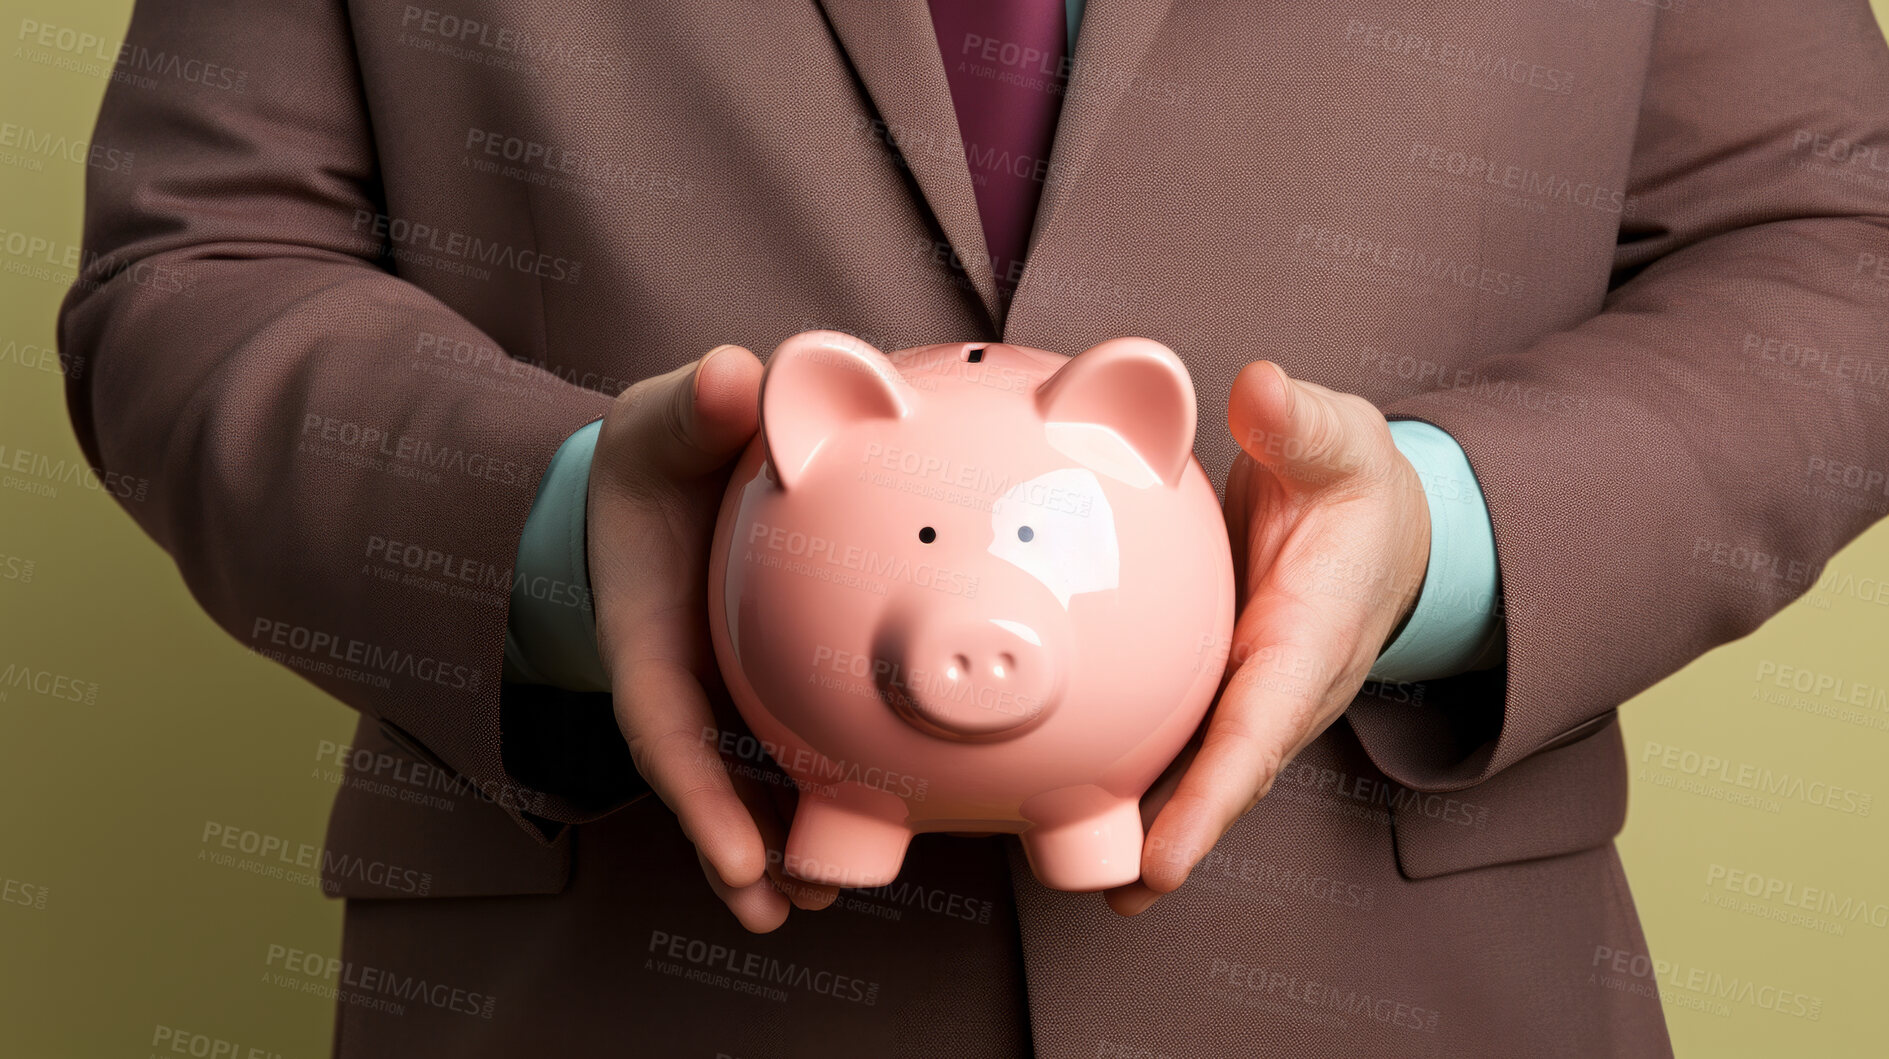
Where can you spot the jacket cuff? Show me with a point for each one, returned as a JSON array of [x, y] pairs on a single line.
[[1456, 625], [552, 634]]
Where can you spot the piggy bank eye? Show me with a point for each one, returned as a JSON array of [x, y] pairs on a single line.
[[927, 535], [1080, 552]]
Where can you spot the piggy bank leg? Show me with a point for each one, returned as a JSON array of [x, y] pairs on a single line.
[[1084, 846], [847, 835]]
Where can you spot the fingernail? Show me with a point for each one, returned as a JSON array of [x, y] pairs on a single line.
[[695, 377]]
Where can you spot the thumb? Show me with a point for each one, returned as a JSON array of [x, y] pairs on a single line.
[[1299, 430], [696, 418]]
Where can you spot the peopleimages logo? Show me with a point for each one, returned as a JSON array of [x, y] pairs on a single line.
[[171, 1040], [23, 894], [273, 856], [1837, 149], [347, 981], [123, 61], [1368, 790], [32, 472], [1650, 975], [34, 142], [1402, 43], [1265, 877], [1814, 899], [1848, 367], [756, 969], [915, 465], [399, 233], [873, 677], [803, 762], [1288, 985], [1769, 566], [811, 549], [314, 643], [1523, 180], [938, 902], [1401, 262], [1757, 778], [46, 683], [373, 444], [1824, 685]]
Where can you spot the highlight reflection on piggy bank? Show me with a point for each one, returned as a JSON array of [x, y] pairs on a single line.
[[971, 587]]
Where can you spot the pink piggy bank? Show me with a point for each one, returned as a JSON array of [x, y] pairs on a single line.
[[971, 587]]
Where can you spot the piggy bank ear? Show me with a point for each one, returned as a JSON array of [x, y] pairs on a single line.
[[817, 384], [1125, 408]]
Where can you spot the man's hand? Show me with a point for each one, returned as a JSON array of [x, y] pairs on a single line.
[[656, 484], [1331, 539]]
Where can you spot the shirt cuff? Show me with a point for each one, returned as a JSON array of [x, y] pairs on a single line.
[[1456, 625], [552, 634]]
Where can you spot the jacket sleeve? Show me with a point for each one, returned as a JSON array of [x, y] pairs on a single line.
[[330, 500], [1730, 432]]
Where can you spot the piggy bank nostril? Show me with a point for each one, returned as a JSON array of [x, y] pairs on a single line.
[[966, 679]]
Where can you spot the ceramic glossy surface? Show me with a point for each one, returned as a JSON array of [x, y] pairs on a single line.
[[971, 587]]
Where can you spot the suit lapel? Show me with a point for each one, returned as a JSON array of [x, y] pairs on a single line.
[[1113, 38], [892, 47]]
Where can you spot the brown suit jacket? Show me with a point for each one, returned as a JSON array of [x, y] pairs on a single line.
[[1625, 253]]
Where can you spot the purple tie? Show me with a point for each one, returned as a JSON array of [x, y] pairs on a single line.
[[1004, 62]]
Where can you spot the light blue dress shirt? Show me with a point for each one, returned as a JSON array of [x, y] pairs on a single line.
[[1456, 625], [1454, 628], [549, 641]]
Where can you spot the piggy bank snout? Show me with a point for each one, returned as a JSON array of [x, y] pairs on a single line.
[[968, 678]]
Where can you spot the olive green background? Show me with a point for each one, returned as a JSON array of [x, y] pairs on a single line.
[[114, 928]]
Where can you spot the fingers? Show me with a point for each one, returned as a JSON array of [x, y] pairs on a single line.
[[804, 895], [725, 405], [1299, 430], [735, 824], [695, 419], [1278, 700], [1136, 897], [764, 905], [759, 906], [663, 714], [1313, 461], [771, 803]]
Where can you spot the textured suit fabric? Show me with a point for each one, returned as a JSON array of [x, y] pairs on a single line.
[[364, 299]]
